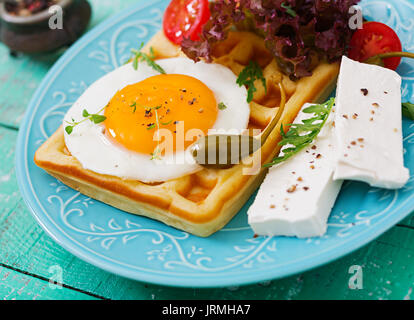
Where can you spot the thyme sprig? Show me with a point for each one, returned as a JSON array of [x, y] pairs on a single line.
[[149, 59], [95, 118], [156, 155], [301, 135], [222, 106]]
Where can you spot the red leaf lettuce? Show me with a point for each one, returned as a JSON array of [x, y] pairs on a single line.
[[298, 32]]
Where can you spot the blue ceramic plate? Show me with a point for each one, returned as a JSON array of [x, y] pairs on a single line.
[[146, 250]]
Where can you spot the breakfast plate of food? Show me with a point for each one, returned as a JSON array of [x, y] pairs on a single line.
[[206, 144]]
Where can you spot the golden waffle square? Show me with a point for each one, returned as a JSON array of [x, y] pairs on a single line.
[[204, 202]]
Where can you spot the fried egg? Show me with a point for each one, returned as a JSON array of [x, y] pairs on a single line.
[[147, 112]]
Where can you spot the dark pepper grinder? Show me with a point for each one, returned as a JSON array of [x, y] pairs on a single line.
[[32, 32]]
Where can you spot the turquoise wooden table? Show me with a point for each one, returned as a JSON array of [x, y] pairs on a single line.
[[29, 258]]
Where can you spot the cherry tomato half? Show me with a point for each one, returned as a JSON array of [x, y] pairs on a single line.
[[185, 18], [373, 39]]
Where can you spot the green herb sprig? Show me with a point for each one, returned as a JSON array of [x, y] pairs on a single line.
[[408, 110], [301, 135], [222, 106], [149, 59], [133, 106], [289, 10], [248, 76], [156, 155], [95, 118]]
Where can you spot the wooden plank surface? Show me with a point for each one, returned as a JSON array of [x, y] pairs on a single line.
[[18, 286], [28, 255]]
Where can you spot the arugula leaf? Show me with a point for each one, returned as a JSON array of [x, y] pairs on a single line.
[[139, 56], [408, 110], [248, 76], [301, 135]]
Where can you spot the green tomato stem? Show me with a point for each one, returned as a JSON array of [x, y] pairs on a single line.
[[379, 58]]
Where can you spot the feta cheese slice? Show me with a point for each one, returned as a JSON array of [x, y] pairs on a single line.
[[297, 195], [369, 126]]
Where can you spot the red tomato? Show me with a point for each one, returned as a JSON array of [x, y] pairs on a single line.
[[185, 18], [373, 39]]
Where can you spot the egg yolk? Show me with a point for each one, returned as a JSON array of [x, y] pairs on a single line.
[[136, 113]]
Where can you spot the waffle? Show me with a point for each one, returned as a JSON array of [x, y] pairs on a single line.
[[204, 202]]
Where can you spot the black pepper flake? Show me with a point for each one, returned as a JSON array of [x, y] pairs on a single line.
[[148, 113], [364, 91], [191, 102]]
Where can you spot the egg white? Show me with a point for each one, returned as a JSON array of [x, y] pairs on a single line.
[[89, 145]]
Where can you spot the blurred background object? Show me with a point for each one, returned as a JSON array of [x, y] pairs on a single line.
[[25, 24]]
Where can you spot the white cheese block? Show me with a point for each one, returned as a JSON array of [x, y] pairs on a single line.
[[369, 126], [297, 195]]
